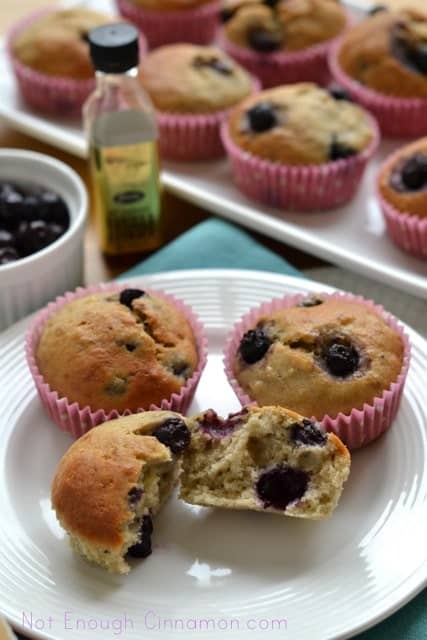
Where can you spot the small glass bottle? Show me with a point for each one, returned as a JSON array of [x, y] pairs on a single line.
[[120, 125]]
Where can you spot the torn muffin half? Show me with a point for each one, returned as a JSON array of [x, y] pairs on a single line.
[[113, 480], [264, 459]]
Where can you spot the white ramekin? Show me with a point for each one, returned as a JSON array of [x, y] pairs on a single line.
[[27, 284]]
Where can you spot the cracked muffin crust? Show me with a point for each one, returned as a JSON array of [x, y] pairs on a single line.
[[403, 179], [323, 356], [117, 350], [56, 44], [300, 124], [387, 53], [264, 459], [186, 78], [282, 25], [113, 480]]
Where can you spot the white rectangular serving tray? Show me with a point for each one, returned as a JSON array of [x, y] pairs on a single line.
[[352, 236]]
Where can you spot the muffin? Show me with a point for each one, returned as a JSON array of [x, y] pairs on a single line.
[[337, 359], [192, 88], [103, 352], [382, 62], [265, 459], [283, 41], [402, 184], [299, 146], [169, 21], [111, 483], [50, 57]]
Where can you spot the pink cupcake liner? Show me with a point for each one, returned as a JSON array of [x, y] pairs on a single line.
[[359, 427], [51, 95], [197, 25], [300, 188], [273, 69], [191, 137], [407, 231], [70, 416], [397, 117]]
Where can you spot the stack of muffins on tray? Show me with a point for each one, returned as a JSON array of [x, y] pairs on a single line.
[[330, 87], [315, 376]]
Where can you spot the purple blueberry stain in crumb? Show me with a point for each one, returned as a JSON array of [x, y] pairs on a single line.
[[410, 174], [134, 496], [311, 301], [307, 433], [340, 357], [264, 41], [340, 150], [254, 345], [173, 433], [261, 117], [216, 427], [127, 296], [339, 93], [279, 487], [142, 548], [378, 8], [214, 63]]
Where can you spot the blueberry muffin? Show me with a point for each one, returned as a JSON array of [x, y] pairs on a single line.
[[187, 79], [387, 53], [322, 356], [403, 179], [282, 25], [112, 481], [117, 350], [264, 459], [56, 43], [300, 124]]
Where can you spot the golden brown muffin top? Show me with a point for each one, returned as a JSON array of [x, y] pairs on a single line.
[[286, 25], [387, 53], [107, 355], [299, 124], [403, 179], [56, 43], [90, 490], [319, 360], [185, 78]]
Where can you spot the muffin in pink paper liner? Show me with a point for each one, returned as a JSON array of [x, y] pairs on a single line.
[[397, 117], [297, 147], [50, 59], [193, 87], [318, 356], [283, 42], [402, 193], [197, 24], [178, 369]]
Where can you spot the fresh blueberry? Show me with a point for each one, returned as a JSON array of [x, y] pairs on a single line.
[[414, 172], [340, 150], [271, 3], [307, 433], [263, 41], [127, 296], [54, 208], [10, 206], [173, 433], [341, 359], [6, 238], [254, 345], [419, 57], [281, 486], [338, 93], [311, 301], [261, 117], [142, 548], [8, 254], [34, 235], [217, 427], [134, 496], [378, 8]]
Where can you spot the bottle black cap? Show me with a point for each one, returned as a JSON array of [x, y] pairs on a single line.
[[114, 48]]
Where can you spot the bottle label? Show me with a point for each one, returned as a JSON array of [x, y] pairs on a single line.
[[126, 190]]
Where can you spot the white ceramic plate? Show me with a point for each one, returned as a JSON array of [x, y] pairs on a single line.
[[353, 236], [243, 571]]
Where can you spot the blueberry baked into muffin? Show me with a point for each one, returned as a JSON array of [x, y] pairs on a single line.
[[264, 459], [191, 79], [323, 356], [300, 124], [112, 482], [267, 26], [387, 53], [117, 350]]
